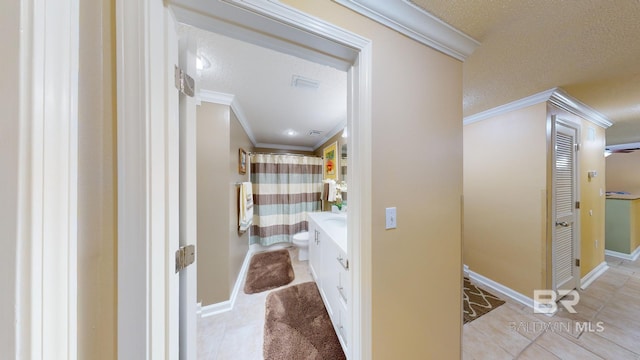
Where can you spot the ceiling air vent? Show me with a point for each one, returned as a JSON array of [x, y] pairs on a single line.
[[314, 133], [304, 83]]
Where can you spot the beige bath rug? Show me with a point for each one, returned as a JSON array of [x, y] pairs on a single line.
[[268, 270], [297, 326]]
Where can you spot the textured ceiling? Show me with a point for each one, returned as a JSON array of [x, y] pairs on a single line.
[[260, 79], [590, 48]]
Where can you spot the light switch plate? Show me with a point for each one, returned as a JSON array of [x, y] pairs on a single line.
[[390, 218]]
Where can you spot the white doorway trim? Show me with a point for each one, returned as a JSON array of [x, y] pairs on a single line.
[[311, 38], [142, 203], [144, 156], [46, 254]]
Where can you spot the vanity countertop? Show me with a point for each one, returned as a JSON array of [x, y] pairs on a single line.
[[623, 197], [334, 224]]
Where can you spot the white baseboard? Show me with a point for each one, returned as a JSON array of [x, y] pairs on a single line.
[[631, 257], [593, 275], [223, 306], [504, 290]]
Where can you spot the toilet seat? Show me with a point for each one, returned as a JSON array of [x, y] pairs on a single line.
[[301, 241], [301, 237]]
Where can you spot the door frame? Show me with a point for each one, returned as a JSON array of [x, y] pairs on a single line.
[[555, 120], [44, 264], [142, 201]]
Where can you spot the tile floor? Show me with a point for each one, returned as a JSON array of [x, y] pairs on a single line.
[[611, 305], [511, 331], [238, 334]]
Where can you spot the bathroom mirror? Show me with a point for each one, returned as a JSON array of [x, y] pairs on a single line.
[[343, 161]]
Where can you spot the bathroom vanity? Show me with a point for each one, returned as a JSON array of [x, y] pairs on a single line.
[[329, 266]]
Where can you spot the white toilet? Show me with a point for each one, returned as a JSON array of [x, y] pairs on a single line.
[[301, 241]]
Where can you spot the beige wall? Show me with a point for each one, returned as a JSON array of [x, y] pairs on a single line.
[[212, 148], [97, 194], [9, 163], [221, 249], [623, 172], [505, 197], [417, 167], [238, 243], [505, 189]]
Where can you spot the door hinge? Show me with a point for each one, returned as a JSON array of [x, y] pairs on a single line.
[[577, 204], [577, 146], [185, 256], [578, 262], [184, 83]]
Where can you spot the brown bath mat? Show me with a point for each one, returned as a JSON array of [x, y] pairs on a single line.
[[268, 270], [477, 302], [297, 326]]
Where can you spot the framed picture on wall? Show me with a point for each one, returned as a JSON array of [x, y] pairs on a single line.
[[242, 161], [331, 164]]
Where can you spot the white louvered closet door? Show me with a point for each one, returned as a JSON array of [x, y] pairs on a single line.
[[564, 241]]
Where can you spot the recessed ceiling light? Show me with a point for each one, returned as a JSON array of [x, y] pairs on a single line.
[[305, 83], [291, 132], [202, 62]]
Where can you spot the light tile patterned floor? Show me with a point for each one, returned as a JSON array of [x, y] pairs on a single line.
[[238, 334], [511, 331]]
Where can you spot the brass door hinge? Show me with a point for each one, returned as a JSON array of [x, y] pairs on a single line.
[[185, 256], [183, 82]]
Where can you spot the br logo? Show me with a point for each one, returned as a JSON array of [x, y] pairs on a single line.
[[545, 301]]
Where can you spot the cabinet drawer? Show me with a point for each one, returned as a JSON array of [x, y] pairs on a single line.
[[342, 328], [343, 277]]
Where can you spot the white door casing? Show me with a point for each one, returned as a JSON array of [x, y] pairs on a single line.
[[172, 135], [144, 245], [565, 219], [188, 205], [148, 204], [45, 302]]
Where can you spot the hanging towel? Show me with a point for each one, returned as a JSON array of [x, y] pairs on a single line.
[[331, 196], [245, 216]]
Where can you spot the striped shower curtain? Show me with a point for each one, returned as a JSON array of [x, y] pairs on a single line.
[[285, 188]]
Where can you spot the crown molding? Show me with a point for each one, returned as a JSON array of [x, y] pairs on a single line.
[[626, 146], [338, 128], [417, 24], [229, 100], [565, 101], [555, 96]]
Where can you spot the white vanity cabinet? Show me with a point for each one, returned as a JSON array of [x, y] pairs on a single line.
[[329, 266]]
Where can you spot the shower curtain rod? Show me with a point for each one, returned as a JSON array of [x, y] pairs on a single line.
[[290, 154]]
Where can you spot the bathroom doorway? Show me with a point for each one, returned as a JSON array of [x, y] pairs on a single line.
[[358, 115]]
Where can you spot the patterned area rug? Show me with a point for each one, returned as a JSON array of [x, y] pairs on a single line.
[[297, 326], [268, 270], [477, 302]]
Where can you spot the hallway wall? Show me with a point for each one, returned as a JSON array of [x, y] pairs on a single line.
[[623, 172], [417, 167]]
